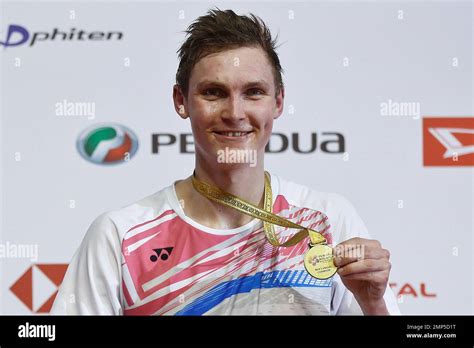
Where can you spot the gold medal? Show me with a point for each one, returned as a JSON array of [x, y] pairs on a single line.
[[318, 262]]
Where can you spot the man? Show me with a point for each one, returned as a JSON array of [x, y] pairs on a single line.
[[180, 252]]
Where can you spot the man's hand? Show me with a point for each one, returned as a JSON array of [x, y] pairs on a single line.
[[364, 269]]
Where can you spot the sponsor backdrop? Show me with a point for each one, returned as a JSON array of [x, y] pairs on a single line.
[[378, 108]]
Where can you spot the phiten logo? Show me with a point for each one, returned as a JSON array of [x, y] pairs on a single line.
[[107, 144], [18, 35]]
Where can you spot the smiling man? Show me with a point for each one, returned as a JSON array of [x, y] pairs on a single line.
[[186, 250]]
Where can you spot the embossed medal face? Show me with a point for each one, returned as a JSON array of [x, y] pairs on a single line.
[[319, 263]]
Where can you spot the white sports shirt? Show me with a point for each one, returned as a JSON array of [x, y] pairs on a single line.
[[149, 258]]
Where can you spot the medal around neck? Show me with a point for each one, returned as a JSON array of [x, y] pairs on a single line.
[[318, 260]]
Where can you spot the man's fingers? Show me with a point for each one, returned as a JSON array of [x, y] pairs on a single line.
[[365, 266], [359, 241], [362, 253], [356, 247], [378, 277]]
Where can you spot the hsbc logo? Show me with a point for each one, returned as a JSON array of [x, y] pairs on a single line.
[[38, 286], [448, 141]]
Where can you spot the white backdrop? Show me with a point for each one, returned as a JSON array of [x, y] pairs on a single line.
[[342, 62]]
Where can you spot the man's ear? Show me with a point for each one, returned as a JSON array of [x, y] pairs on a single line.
[[180, 103], [279, 104]]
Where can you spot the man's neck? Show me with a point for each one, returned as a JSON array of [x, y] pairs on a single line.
[[242, 181]]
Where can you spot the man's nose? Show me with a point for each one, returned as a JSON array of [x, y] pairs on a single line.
[[233, 109]]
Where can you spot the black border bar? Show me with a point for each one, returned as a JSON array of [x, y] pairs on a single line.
[[238, 330]]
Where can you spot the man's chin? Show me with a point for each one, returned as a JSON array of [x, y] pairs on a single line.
[[235, 166]]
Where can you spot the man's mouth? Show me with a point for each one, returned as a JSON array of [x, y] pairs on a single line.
[[235, 134]]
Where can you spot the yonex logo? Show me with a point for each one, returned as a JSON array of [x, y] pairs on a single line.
[[107, 144], [163, 256]]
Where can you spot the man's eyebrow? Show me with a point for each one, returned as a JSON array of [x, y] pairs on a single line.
[[210, 83], [256, 83]]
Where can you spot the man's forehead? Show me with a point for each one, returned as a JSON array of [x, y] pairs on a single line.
[[242, 52], [244, 65]]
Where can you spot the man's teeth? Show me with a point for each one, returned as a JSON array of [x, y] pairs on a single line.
[[234, 134]]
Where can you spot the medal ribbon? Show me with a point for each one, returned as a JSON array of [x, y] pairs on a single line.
[[269, 219]]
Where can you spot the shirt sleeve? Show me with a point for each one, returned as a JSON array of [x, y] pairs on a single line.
[[91, 285], [343, 301]]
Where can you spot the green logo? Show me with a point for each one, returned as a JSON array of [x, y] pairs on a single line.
[[107, 144]]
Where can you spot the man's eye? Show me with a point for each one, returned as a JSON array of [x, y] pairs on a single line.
[[213, 92], [254, 92]]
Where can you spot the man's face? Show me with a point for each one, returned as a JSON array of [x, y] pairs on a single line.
[[231, 102]]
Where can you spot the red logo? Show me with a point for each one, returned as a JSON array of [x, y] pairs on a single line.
[[448, 141], [411, 290], [38, 286]]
